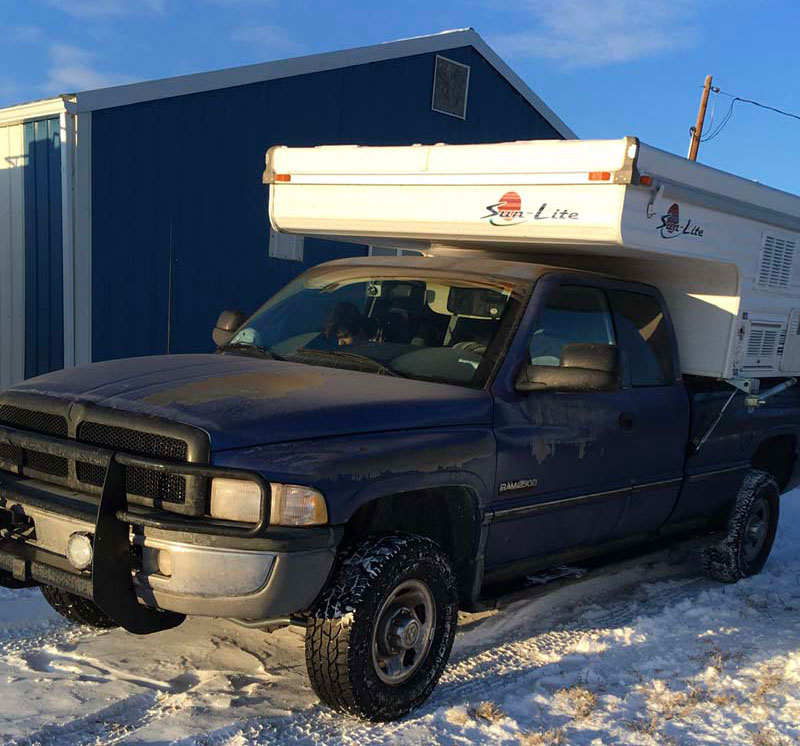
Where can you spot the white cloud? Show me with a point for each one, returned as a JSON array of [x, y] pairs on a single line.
[[271, 38], [96, 9], [594, 33], [72, 70]]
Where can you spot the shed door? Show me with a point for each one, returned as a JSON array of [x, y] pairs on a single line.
[[12, 256], [44, 282]]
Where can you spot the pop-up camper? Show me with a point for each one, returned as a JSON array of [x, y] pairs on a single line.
[[720, 248]]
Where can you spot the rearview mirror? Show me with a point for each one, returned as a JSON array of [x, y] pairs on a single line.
[[226, 326], [584, 367]]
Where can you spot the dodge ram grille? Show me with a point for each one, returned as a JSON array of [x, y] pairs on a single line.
[[184, 494], [33, 421]]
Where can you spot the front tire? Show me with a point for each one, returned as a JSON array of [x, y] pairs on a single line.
[[751, 531], [382, 632], [77, 609]]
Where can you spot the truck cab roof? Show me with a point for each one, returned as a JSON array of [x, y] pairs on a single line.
[[481, 267]]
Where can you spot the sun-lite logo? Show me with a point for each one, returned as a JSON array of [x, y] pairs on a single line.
[[670, 226], [508, 211]]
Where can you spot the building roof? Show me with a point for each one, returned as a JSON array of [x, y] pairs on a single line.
[[41, 109], [122, 95]]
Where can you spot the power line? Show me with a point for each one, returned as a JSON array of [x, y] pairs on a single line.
[[721, 126], [723, 123], [756, 103]]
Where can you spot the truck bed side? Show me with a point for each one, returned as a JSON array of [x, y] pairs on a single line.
[[765, 437]]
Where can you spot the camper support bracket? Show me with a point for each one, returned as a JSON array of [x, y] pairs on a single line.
[[759, 399], [753, 399], [700, 442], [748, 385]]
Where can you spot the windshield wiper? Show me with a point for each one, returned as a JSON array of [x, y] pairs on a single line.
[[248, 348], [374, 365]]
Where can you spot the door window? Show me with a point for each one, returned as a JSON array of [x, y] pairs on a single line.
[[572, 314], [644, 338]]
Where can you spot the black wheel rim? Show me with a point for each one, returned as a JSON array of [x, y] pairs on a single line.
[[403, 632], [756, 530]]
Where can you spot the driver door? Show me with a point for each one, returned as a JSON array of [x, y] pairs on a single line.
[[562, 457]]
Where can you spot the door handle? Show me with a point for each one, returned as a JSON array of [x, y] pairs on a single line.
[[627, 421]]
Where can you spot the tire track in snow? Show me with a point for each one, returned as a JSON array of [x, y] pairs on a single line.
[[535, 655], [54, 634], [518, 642], [106, 726], [119, 721]]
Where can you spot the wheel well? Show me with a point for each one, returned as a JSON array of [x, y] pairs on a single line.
[[777, 455], [448, 515]]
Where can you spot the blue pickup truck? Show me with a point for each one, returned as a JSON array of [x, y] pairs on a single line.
[[381, 444]]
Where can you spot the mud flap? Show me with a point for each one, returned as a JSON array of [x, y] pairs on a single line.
[[112, 582]]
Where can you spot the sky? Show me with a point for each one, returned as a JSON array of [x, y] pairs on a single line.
[[608, 68]]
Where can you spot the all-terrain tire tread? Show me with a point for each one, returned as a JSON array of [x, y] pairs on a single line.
[[332, 625], [722, 560], [77, 609]]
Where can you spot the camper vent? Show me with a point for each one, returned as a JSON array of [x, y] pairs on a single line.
[[764, 344], [781, 344], [777, 258], [790, 347], [793, 329], [450, 87]]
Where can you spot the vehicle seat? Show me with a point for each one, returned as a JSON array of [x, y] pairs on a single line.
[[467, 329], [546, 348]]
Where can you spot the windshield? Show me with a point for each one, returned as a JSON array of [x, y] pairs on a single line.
[[428, 328]]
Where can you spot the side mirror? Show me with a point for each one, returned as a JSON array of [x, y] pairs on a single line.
[[584, 367], [226, 326]]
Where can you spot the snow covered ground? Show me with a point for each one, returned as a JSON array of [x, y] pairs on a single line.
[[648, 653]]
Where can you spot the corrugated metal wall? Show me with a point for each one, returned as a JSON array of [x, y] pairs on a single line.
[[180, 228], [12, 255], [44, 280]]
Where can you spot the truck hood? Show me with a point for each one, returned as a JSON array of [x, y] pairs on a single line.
[[243, 401]]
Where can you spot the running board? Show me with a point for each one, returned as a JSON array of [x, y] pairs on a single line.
[[535, 585]]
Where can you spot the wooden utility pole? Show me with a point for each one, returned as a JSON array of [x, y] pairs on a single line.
[[697, 131]]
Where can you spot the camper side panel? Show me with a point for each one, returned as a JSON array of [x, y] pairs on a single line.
[[732, 282]]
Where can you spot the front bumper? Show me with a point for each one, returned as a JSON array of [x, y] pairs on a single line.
[[151, 568]]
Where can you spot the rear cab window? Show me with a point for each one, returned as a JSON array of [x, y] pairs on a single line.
[[633, 321], [644, 338]]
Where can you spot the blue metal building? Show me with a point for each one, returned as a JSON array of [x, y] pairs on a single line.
[[146, 199]]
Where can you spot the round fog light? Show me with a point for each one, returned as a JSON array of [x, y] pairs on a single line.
[[80, 550], [164, 563]]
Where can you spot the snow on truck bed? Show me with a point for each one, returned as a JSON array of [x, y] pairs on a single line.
[[649, 652]]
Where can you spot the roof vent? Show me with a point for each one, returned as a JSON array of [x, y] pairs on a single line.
[[777, 257], [450, 87]]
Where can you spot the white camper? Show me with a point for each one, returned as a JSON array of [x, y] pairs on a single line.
[[722, 249]]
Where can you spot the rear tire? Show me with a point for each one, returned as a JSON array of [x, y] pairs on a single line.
[[77, 609], [750, 532], [382, 632]]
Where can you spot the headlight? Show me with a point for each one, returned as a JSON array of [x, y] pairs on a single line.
[[291, 504], [235, 500]]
